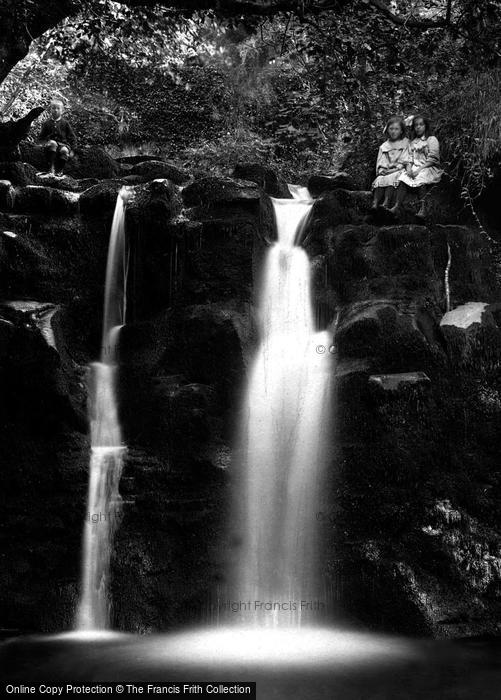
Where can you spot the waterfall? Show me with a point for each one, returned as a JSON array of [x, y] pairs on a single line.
[[285, 415], [299, 192], [107, 450]]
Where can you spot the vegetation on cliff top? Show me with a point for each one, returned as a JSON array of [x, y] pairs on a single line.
[[303, 93]]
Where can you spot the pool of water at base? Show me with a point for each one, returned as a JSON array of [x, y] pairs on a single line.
[[306, 663]]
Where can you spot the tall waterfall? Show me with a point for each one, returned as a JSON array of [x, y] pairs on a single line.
[[286, 413], [107, 450]]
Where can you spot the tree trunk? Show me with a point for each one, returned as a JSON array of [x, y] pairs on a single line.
[[21, 21], [12, 132]]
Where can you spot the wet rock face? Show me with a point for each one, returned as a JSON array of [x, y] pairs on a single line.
[[43, 479], [416, 485], [266, 178], [338, 204], [402, 453]]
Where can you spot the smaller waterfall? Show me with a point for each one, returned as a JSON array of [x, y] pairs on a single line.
[[107, 450]]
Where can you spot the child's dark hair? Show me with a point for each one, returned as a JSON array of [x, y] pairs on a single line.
[[427, 125], [395, 120]]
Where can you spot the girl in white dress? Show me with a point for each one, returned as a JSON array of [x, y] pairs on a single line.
[[424, 167], [392, 159]]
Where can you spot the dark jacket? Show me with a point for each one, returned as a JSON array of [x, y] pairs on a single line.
[[59, 131]]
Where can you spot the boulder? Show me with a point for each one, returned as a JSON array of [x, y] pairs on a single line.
[[156, 169], [152, 206], [211, 191], [100, 199], [88, 162], [338, 207], [317, 184], [36, 199], [31, 356], [133, 160], [66, 183], [6, 195], [341, 205], [363, 262], [94, 162], [389, 337], [134, 179], [265, 177], [20, 174], [143, 343], [472, 333], [209, 348]]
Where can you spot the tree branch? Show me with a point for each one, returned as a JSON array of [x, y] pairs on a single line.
[[448, 12], [410, 21]]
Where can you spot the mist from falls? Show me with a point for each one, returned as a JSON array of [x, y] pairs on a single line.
[[107, 451], [286, 413]]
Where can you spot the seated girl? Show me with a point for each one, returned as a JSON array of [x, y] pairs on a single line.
[[424, 168], [392, 159]]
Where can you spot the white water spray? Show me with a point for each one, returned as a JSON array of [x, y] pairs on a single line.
[[107, 451], [286, 412], [299, 192]]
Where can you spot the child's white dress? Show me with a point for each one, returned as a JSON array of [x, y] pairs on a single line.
[[392, 154], [424, 150]]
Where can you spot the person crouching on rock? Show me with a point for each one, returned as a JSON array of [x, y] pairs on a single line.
[[58, 139], [424, 168], [393, 157]]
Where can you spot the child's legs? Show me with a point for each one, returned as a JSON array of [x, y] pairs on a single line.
[[63, 152], [63, 155], [388, 195], [50, 152], [377, 197], [401, 194], [421, 191]]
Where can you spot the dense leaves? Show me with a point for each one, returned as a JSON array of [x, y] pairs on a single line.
[[308, 90]]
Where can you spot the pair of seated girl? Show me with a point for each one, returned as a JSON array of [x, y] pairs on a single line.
[[404, 163]]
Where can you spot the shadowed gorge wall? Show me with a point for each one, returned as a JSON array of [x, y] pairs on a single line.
[[411, 518]]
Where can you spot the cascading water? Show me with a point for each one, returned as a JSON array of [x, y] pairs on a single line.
[[299, 192], [286, 412], [107, 450]]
